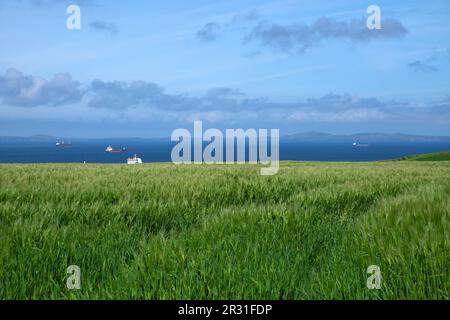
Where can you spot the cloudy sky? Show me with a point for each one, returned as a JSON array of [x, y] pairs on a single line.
[[144, 68]]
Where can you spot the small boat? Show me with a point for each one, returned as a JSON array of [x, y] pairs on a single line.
[[110, 149], [355, 144], [63, 144], [134, 160]]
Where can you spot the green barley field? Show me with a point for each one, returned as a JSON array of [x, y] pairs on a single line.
[[162, 231]]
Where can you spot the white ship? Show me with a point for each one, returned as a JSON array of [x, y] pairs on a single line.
[[63, 144], [134, 160], [356, 144], [110, 149]]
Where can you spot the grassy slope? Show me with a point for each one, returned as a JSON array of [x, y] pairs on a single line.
[[437, 156], [164, 231]]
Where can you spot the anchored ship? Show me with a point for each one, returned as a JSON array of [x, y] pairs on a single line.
[[134, 160], [110, 149], [63, 144], [356, 144]]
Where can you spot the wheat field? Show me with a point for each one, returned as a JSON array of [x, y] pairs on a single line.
[[162, 231]]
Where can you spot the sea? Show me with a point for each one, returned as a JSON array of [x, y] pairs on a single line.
[[93, 151]]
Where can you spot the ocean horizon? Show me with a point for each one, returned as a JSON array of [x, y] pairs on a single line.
[[160, 151]]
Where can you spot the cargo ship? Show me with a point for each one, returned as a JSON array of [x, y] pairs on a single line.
[[63, 144], [110, 149], [356, 144]]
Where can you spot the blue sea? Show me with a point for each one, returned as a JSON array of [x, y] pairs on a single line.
[[159, 151]]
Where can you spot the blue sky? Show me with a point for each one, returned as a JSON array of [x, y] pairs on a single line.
[[144, 68]]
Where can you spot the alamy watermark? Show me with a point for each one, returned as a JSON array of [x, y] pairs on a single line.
[[73, 22], [213, 153], [74, 280], [374, 280], [374, 20]]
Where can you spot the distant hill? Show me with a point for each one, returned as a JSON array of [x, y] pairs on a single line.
[[35, 138], [362, 137], [298, 137], [49, 138]]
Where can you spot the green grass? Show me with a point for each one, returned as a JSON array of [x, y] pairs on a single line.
[[437, 156], [161, 231]]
